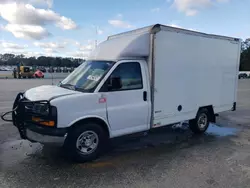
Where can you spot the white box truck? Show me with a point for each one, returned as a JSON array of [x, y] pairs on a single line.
[[133, 82]]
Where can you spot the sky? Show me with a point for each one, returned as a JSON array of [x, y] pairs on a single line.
[[71, 28]]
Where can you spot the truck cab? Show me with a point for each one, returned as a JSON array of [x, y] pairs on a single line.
[[101, 96]]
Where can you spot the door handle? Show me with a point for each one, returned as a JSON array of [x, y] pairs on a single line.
[[145, 96]]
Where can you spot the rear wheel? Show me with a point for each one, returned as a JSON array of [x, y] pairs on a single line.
[[201, 122], [85, 142]]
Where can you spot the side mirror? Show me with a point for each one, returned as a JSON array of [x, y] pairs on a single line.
[[115, 83]]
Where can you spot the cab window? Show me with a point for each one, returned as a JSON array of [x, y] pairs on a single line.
[[130, 76]]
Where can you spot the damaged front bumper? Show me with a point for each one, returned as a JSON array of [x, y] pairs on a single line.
[[45, 139], [36, 126]]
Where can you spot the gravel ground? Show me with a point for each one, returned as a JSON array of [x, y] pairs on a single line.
[[167, 157]]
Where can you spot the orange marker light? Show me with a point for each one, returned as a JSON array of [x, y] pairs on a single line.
[[42, 122]]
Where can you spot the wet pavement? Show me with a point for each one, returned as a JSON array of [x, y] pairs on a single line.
[[166, 157]]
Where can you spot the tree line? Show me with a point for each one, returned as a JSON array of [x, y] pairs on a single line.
[[245, 56], [11, 59]]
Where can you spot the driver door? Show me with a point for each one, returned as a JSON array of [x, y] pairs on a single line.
[[128, 107]]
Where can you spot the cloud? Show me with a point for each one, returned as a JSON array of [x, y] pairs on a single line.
[[189, 7], [1, 27], [27, 31], [51, 48], [66, 23], [10, 45], [178, 26], [192, 7], [22, 16], [86, 48], [120, 24], [50, 45], [155, 10], [78, 54], [49, 3], [32, 54], [223, 1], [26, 14], [50, 51], [83, 51], [99, 31]]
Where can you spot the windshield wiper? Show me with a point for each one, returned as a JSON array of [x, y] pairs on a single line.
[[68, 86], [81, 89]]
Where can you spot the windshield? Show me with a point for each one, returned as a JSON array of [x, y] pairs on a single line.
[[87, 76]]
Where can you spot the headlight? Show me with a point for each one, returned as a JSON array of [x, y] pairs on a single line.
[[41, 108]]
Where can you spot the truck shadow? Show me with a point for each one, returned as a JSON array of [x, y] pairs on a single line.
[[160, 140], [169, 137]]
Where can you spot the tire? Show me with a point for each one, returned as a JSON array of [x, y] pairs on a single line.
[[200, 124], [73, 146]]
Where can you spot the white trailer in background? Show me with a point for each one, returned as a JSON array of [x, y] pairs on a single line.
[[133, 82]]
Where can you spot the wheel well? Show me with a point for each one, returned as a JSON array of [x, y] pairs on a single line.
[[95, 120], [211, 112]]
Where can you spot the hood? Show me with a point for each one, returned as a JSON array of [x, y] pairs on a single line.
[[47, 92]]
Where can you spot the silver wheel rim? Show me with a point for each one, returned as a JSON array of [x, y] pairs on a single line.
[[87, 142], [202, 121]]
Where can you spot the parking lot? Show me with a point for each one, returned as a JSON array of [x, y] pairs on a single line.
[[47, 75], [167, 157]]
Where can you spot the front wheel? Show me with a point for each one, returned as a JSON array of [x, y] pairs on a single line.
[[85, 142], [200, 124]]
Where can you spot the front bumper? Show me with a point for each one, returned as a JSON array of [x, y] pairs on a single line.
[[33, 131], [45, 139], [44, 135]]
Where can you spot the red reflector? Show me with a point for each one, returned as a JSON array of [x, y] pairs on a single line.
[[102, 100]]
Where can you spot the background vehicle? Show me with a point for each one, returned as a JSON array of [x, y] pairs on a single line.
[[42, 69], [25, 72], [244, 75], [71, 69], [51, 70], [58, 69], [38, 74], [129, 85], [65, 69], [4, 69]]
